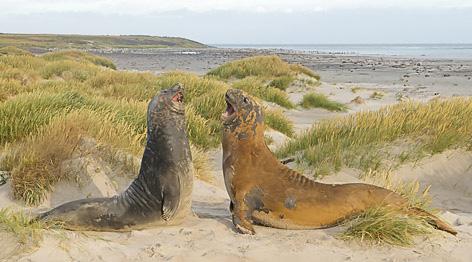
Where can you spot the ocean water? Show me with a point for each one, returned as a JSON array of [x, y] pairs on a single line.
[[443, 51]]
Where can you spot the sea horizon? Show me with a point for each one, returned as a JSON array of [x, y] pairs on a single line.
[[422, 50]]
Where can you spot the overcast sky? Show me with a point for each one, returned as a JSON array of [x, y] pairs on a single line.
[[249, 21]]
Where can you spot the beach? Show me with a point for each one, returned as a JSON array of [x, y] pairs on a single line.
[[208, 235]]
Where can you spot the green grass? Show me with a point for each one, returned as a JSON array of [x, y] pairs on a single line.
[[277, 120], [257, 87], [79, 57], [22, 227], [94, 41], [262, 66], [11, 50], [377, 95], [385, 225], [34, 163], [282, 82], [356, 89], [313, 100], [382, 225], [358, 140]]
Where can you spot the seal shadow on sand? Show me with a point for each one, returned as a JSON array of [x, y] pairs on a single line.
[[218, 211]]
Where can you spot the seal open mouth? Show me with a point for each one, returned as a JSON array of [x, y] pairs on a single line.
[[229, 113], [178, 97], [178, 101]]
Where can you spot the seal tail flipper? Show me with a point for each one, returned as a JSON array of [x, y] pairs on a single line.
[[433, 220]]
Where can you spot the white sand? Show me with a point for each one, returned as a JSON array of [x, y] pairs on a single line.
[[209, 235]]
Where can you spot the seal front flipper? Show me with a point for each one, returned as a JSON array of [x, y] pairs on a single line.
[[170, 204], [242, 216]]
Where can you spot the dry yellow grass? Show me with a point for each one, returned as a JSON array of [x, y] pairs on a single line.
[[12, 50], [277, 119], [201, 166]]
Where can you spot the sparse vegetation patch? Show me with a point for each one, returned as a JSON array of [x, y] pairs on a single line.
[[357, 140], [313, 100]]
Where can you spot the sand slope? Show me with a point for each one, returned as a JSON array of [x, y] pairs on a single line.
[[209, 235]]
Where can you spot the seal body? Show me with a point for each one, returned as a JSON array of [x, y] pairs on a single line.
[[264, 191], [160, 195]]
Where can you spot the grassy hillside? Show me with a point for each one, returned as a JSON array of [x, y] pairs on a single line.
[[385, 138], [94, 41], [65, 96]]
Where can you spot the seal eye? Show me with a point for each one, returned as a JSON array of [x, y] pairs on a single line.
[[245, 100]]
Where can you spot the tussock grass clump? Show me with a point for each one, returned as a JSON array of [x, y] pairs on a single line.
[[385, 225], [304, 70], [258, 87], [201, 166], [79, 56], [25, 114], [281, 82], [35, 163], [20, 233], [124, 85], [382, 225], [435, 126], [199, 130], [377, 95], [22, 227], [26, 63], [312, 100], [356, 89], [409, 190], [278, 121], [12, 50], [68, 70], [253, 66], [261, 66]]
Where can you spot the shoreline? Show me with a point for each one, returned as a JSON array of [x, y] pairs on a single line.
[[437, 75]]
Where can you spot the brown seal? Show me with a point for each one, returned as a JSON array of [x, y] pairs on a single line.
[[264, 191]]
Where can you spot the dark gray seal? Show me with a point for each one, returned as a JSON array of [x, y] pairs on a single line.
[[160, 195]]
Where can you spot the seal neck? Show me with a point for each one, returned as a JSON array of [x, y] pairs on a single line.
[[244, 143]]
